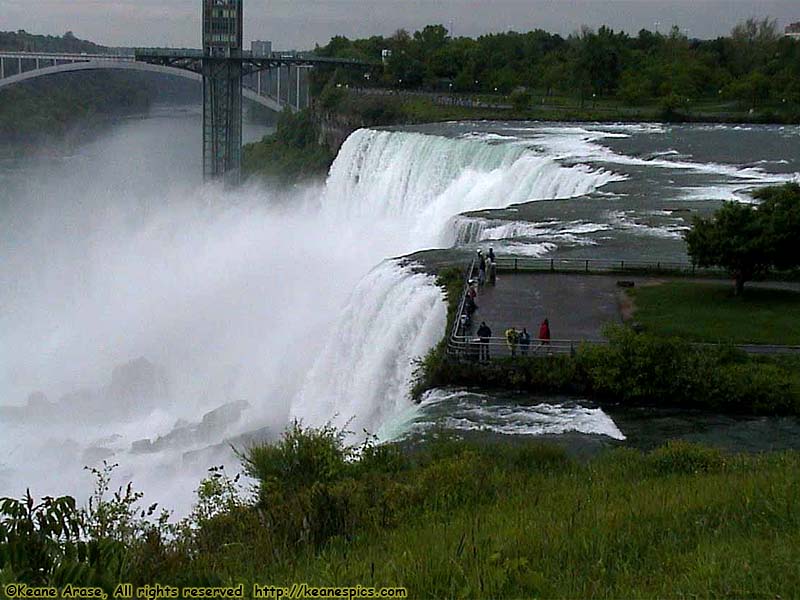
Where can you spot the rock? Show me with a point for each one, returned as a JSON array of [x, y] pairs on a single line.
[[144, 446], [213, 423], [135, 385], [217, 420]]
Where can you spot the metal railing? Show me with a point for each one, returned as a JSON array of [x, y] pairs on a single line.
[[474, 348], [600, 265], [464, 290], [468, 346], [65, 56]]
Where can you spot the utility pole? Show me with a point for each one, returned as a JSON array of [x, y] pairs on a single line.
[[222, 90]]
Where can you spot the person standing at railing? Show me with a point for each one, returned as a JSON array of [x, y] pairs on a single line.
[[465, 322], [524, 341], [544, 333], [484, 333], [491, 266], [472, 290], [511, 340], [481, 268], [469, 306], [491, 255]]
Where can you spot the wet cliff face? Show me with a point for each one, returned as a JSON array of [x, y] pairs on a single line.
[[334, 129]]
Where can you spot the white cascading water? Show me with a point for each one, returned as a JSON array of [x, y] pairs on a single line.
[[235, 301], [363, 374], [422, 181]]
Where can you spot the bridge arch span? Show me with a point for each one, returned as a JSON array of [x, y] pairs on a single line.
[[131, 65]]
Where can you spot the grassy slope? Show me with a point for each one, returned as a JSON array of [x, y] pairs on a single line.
[[503, 522], [709, 312], [420, 110]]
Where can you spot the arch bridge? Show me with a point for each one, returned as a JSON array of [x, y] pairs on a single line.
[[273, 82]]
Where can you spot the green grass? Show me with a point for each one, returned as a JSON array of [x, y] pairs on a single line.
[[618, 527], [386, 110], [709, 312]]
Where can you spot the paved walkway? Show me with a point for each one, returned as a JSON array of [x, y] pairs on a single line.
[[578, 306]]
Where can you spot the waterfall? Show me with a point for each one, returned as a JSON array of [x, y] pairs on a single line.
[[392, 183], [363, 374], [251, 310], [420, 182]]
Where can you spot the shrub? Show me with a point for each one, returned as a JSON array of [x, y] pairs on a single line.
[[521, 100], [762, 388], [302, 458], [679, 457], [639, 368], [53, 542]]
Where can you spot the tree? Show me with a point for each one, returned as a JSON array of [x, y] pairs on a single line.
[[521, 100], [780, 215], [749, 240]]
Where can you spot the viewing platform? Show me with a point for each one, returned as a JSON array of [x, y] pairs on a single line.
[[579, 297]]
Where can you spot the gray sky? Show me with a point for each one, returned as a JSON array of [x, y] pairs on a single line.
[[301, 23]]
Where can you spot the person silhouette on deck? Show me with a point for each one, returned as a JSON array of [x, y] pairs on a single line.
[[544, 333], [524, 341], [484, 333]]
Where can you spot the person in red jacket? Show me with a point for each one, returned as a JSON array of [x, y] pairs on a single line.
[[544, 332]]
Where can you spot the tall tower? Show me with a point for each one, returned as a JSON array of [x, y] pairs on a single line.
[[222, 89]]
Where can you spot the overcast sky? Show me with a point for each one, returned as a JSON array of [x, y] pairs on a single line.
[[302, 23]]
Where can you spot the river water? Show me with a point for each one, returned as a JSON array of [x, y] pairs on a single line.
[[147, 319]]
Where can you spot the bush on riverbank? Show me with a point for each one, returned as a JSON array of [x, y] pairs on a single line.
[[45, 108], [642, 370], [431, 371], [636, 368], [449, 519]]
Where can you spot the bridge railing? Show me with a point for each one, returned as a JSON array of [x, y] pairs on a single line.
[[65, 56]]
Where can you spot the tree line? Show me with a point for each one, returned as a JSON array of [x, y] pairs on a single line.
[[754, 66], [22, 41]]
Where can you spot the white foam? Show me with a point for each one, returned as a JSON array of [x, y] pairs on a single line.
[[469, 230], [579, 144], [468, 411], [623, 220]]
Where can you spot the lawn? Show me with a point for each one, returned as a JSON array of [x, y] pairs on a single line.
[[681, 522], [709, 312]]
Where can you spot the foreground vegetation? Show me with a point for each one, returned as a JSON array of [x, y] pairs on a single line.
[[447, 520]]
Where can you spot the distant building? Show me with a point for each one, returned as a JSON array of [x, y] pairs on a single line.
[[793, 30], [222, 27], [386, 54], [261, 48]]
